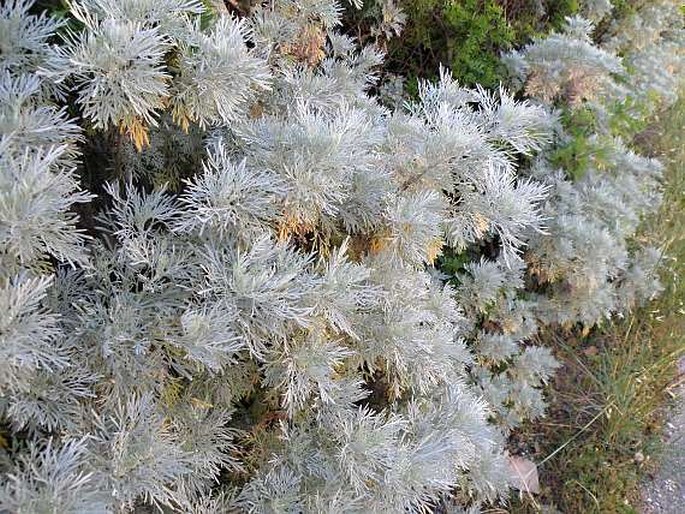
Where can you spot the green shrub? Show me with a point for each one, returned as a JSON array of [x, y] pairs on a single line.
[[466, 36]]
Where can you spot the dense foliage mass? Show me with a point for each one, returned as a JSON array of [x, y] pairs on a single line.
[[218, 280]]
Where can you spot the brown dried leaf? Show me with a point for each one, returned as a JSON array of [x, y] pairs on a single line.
[[591, 351], [524, 475]]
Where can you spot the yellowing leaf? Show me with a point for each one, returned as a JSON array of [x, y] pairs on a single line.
[[137, 131]]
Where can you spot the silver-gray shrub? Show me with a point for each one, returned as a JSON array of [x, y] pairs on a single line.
[[589, 260], [248, 316]]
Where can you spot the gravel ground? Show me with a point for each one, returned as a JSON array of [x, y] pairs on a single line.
[[665, 492]]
